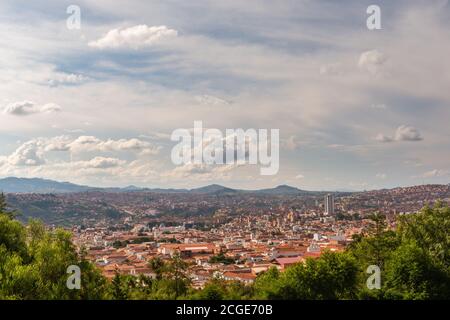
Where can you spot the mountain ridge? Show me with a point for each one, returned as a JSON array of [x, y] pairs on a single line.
[[44, 186], [47, 186]]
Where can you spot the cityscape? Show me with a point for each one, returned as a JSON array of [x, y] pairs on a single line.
[[271, 231], [228, 157], [251, 231]]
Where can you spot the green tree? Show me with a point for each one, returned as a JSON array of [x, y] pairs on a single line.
[[158, 266], [411, 273], [34, 262], [13, 236], [267, 284], [420, 267], [332, 276], [176, 271], [221, 258], [4, 208], [213, 290], [430, 229]]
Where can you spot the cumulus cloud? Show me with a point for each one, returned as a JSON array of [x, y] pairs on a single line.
[[299, 176], [50, 107], [381, 176], [403, 133], [20, 108], [28, 154], [407, 133], [23, 108], [372, 61], [57, 158], [280, 79], [32, 152], [91, 143], [135, 37], [103, 163]]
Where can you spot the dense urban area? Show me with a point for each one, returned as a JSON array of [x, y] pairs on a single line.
[[220, 233]]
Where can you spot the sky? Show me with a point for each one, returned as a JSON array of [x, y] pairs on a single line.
[[357, 109]]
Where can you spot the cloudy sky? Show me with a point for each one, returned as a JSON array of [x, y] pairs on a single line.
[[357, 109]]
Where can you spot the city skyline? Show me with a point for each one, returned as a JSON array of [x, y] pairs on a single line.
[[357, 109]]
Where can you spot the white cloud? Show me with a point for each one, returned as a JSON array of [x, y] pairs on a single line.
[[299, 176], [20, 108], [28, 154], [91, 143], [66, 79], [23, 108], [382, 138], [54, 158], [60, 143], [103, 163], [50, 107], [135, 37], [273, 80], [403, 133], [407, 133], [33, 151], [372, 61]]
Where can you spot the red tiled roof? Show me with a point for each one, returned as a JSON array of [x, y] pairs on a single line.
[[288, 261]]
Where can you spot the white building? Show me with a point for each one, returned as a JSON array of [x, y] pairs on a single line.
[[329, 204]]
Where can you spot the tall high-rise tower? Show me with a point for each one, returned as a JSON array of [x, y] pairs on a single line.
[[329, 204]]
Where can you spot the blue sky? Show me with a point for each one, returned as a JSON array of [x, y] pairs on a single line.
[[357, 109]]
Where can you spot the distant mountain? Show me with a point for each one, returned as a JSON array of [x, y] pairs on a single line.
[[161, 190], [131, 188], [282, 189], [37, 185], [279, 190], [213, 188]]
